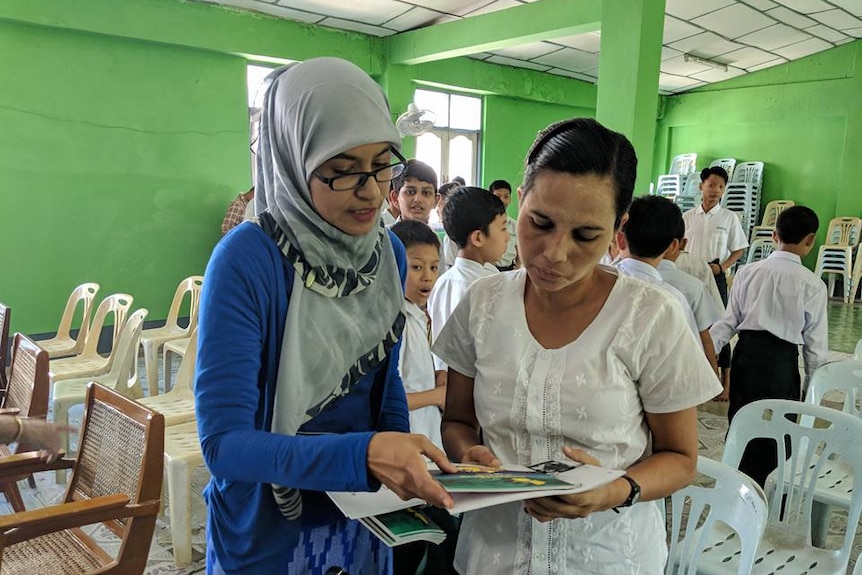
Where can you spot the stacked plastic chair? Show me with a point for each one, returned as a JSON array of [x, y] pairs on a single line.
[[728, 164], [673, 183], [836, 255], [770, 216], [744, 199], [759, 249], [691, 195], [856, 278]]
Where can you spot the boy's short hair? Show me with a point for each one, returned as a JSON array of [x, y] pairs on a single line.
[[416, 169], [470, 209], [415, 233], [796, 222], [653, 223], [447, 188], [500, 184], [713, 171]]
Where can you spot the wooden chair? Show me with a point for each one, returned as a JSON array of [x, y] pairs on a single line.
[[27, 396], [62, 344], [5, 315], [116, 481], [153, 339]]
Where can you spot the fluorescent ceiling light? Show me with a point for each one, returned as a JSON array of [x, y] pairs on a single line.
[[705, 62]]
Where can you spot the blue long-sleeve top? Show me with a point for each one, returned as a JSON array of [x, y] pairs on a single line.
[[243, 310]]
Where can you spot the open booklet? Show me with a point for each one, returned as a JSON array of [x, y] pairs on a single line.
[[472, 487]]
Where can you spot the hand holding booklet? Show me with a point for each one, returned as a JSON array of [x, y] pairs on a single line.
[[473, 487]]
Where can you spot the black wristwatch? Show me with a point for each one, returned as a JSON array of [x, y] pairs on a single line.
[[634, 495]]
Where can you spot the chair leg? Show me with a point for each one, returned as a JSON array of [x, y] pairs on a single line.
[[13, 495], [820, 515], [61, 419], [151, 366], [168, 367], [180, 510]]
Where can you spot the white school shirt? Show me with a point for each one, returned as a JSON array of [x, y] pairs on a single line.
[[417, 372], [449, 290], [512, 246], [643, 271], [448, 252], [699, 269], [783, 297], [704, 308], [636, 357], [714, 234]]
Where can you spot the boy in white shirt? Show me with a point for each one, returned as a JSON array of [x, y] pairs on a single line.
[[776, 305], [648, 233], [503, 190], [475, 219]]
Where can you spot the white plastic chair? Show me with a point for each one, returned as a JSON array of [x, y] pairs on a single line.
[[748, 173], [182, 454], [734, 508], [62, 344], [857, 353], [153, 339], [786, 544], [683, 164], [855, 277], [89, 363], [770, 216], [759, 250], [669, 185], [835, 257], [727, 164], [121, 376], [178, 404], [174, 347]]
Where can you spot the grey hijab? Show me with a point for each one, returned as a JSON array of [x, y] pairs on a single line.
[[345, 310]]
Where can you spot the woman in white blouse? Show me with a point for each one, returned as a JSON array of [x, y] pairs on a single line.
[[566, 358]]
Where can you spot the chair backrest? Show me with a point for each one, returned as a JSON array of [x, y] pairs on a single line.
[[728, 164], [5, 317], [841, 376], [760, 250], [844, 231], [748, 173], [683, 164], [668, 185], [191, 286], [857, 353], [29, 386], [734, 499], [84, 295], [124, 357], [186, 374], [773, 208], [121, 451], [117, 304], [802, 452]]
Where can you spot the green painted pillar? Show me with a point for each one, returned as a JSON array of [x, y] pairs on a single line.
[[397, 82], [848, 196], [628, 75]]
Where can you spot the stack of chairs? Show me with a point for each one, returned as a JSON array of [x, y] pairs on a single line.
[[691, 194], [836, 255], [727, 163], [673, 183], [770, 216]]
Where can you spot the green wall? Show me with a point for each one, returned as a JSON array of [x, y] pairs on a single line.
[[803, 119], [117, 159], [510, 127]]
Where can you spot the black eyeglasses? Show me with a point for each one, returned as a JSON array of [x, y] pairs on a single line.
[[356, 180]]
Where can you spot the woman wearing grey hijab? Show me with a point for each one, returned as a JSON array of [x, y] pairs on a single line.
[[297, 383]]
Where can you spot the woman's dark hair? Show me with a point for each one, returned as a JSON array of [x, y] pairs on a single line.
[[713, 171], [583, 146]]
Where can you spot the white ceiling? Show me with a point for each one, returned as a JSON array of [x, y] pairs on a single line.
[[745, 35]]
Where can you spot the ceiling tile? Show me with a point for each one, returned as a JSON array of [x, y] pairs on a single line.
[[707, 45], [806, 6], [761, 4], [516, 63], [677, 30], [588, 42], [528, 51], [480, 56], [575, 75], [717, 74], [355, 27], [804, 48], [825, 32], [679, 67], [673, 83], [414, 18], [688, 9], [570, 59], [769, 64], [493, 7], [456, 7], [790, 17], [838, 19], [852, 6], [773, 37], [668, 53], [747, 58], [734, 21], [367, 11], [267, 8], [855, 32]]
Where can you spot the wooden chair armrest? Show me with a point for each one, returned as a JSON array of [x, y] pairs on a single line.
[[31, 462], [9, 410], [38, 522]]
